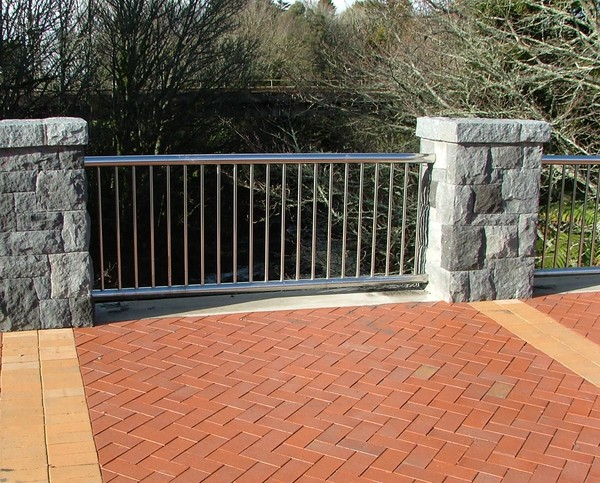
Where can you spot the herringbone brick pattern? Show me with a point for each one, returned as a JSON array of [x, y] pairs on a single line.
[[423, 392], [578, 311]]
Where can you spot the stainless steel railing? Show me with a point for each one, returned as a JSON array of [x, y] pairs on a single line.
[[175, 224], [568, 226]]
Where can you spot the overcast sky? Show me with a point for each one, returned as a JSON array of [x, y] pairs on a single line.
[[341, 5]]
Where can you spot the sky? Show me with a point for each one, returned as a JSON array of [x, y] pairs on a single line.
[[341, 5]]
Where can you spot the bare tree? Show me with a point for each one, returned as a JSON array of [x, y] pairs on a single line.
[[156, 56], [528, 58], [42, 55]]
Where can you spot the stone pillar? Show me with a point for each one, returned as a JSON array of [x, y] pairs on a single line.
[[45, 266], [484, 201]]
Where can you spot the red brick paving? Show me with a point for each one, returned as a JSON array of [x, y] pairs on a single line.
[[409, 392]]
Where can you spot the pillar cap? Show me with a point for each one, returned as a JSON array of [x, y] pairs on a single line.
[[483, 131], [53, 131]]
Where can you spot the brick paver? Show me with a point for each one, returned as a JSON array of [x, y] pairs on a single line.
[[577, 311], [407, 392]]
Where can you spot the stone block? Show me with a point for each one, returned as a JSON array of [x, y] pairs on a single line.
[[468, 164], [535, 132], [45, 220], [5, 244], [25, 202], [62, 190], [21, 305], [25, 266], [454, 204], [501, 241], [55, 314], [532, 157], [488, 199], [462, 248], [71, 275], [527, 229], [513, 277], [477, 130], [29, 159], [434, 242], [36, 242], [65, 131], [507, 157], [21, 133], [71, 158], [4, 320], [82, 311], [521, 184], [76, 231], [448, 286], [481, 286], [42, 286], [495, 219], [8, 218], [17, 181], [439, 149]]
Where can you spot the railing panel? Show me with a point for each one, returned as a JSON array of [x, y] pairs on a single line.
[[185, 224], [568, 218]]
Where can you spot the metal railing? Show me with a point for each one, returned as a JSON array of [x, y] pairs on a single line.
[[569, 224], [175, 225]]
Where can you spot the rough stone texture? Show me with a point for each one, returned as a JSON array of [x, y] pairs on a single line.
[[462, 247], [45, 266], [482, 131], [484, 202], [70, 274], [488, 198]]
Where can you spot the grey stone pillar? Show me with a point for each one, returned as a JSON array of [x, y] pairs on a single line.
[[484, 201], [45, 266]]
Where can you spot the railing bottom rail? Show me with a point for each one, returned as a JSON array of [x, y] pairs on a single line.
[[568, 272], [254, 287]]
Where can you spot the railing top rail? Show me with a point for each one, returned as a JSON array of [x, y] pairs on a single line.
[[560, 159], [211, 159]]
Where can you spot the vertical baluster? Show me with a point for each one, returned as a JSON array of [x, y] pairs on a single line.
[[135, 229], [202, 222], [404, 217], [360, 212], [267, 208], [374, 233], [118, 226], [572, 214], [235, 222], [329, 220], [283, 231], [345, 220], [100, 229], [218, 224], [422, 218], [298, 222], [547, 222], [152, 247], [596, 207], [169, 247], [560, 212], [185, 227], [388, 244], [251, 228], [314, 223], [583, 217]]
